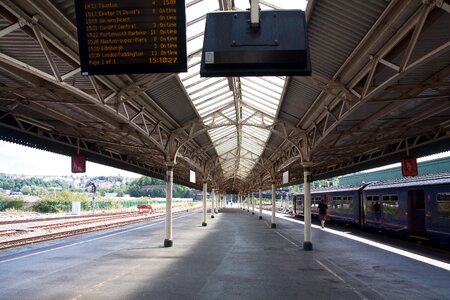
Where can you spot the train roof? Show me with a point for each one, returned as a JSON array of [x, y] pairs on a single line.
[[335, 189], [433, 179]]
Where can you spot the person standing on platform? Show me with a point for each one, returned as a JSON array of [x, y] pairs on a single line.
[[322, 212]]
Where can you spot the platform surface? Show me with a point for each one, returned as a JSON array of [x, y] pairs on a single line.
[[236, 256]]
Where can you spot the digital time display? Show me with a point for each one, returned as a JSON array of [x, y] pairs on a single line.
[[131, 36]]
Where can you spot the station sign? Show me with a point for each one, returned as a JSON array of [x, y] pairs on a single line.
[[409, 166], [78, 163], [232, 47], [131, 36]]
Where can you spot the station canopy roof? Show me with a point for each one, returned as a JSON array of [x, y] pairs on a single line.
[[379, 90]]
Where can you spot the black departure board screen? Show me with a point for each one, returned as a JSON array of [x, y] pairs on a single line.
[[131, 36]]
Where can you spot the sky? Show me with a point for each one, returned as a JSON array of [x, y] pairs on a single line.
[[420, 159], [21, 160]]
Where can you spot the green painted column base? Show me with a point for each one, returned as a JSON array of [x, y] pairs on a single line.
[[168, 243], [260, 217], [307, 246], [274, 225], [204, 224]]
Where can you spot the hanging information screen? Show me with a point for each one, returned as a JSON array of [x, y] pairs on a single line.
[[131, 36]]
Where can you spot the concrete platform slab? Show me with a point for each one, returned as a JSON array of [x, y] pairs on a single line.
[[237, 256]]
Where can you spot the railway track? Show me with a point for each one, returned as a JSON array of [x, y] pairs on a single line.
[[57, 218], [65, 229]]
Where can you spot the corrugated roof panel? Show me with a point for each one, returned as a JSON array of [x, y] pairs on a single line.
[[335, 29], [18, 45], [297, 100], [170, 96], [66, 7]]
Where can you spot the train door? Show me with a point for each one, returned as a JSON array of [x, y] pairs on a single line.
[[361, 210], [416, 205], [294, 204]]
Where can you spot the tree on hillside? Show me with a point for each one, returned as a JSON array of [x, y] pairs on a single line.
[[143, 187]]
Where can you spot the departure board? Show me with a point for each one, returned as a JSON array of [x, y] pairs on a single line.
[[131, 36]]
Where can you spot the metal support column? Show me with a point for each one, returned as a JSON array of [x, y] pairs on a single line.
[[213, 194], [169, 188], [239, 200], [260, 204], [217, 203], [307, 244], [248, 201], [274, 224], [217, 207], [245, 201], [253, 203], [205, 191]]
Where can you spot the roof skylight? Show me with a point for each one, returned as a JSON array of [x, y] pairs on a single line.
[[239, 138]]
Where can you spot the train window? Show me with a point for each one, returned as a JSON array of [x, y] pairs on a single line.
[[390, 204], [299, 201], [443, 205], [347, 203], [370, 202], [315, 203], [337, 202], [342, 203]]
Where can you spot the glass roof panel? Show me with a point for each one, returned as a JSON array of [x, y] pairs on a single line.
[[273, 4], [194, 42], [250, 103], [260, 95], [218, 133], [227, 146], [256, 133], [213, 106], [196, 84], [199, 99], [200, 9], [260, 86]]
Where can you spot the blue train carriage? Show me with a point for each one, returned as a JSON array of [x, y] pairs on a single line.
[[343, 203], [417, 207], [298, 203]]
